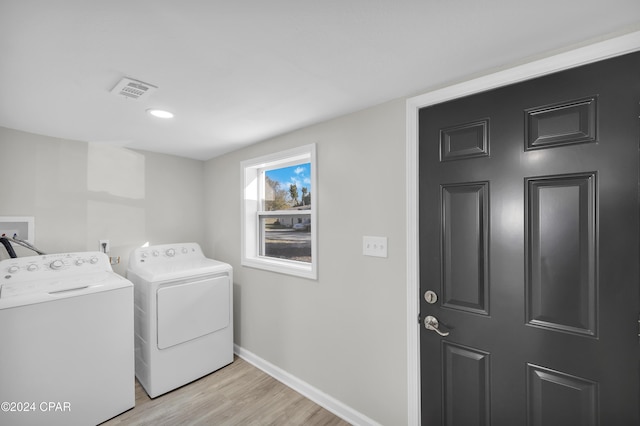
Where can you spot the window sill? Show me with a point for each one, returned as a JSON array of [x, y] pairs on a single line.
[[282, 266]]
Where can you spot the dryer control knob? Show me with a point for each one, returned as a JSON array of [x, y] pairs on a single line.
[[184, 250], [32, 267], [80, 262], [93, 260], [56, 264], [156, 253], [13, 269], [171, 252]]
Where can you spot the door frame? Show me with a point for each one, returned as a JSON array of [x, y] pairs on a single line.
[[597, 51]]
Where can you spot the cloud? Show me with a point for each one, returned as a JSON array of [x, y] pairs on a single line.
[[295, 181], [300, 179], [295, 175]]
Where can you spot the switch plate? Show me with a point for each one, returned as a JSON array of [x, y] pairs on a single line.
[[374, 246]]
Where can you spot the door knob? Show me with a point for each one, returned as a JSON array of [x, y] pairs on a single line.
[[431, 323]]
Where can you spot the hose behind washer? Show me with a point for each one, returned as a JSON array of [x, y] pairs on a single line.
[[7, 245]]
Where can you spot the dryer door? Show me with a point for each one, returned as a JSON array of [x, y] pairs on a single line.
[[191, 310]]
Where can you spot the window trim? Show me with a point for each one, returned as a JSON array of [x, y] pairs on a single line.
[[252, 192]]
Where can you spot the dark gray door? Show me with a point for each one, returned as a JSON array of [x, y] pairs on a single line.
[[529, 236]]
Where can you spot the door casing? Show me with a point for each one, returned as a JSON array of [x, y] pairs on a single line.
[[582, 56]]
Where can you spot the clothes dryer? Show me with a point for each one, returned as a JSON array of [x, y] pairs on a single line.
[[183, 315]]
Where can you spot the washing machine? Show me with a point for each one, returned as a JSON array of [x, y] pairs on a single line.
[[66, 340], [183, 315]]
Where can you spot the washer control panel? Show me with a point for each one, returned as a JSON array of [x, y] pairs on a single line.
[[166, 253], [52, 266]]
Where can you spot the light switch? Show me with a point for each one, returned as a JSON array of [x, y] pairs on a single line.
[[374, 246]]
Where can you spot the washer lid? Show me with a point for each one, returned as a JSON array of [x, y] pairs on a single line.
[[20, 293]]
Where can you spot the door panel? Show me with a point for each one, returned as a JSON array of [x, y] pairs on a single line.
[[565, 123], [464, 237], [467, 140], [529, 236], [466, 385], [561, 253], [554, 398]]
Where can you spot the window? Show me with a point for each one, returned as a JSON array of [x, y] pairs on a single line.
[[279, 212]]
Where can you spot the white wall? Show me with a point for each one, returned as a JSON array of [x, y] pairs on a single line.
[[82, 192], [344, 334]]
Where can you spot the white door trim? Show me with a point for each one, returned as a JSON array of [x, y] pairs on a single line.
[[598, 51]]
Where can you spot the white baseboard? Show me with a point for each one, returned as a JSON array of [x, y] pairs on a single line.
[[338, 408]]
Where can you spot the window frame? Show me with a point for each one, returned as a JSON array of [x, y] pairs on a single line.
[[252, 210]]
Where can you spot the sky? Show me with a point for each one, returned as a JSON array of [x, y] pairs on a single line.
[[299, 174]]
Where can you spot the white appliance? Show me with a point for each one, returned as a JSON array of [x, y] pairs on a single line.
[[183, 315], [66, 340]]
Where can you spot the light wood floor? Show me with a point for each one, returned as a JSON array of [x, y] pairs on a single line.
[[238, 394]]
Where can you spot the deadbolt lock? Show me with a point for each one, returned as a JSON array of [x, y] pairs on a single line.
[[431, 297]]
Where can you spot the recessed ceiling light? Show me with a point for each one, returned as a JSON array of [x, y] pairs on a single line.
[[160, 113]]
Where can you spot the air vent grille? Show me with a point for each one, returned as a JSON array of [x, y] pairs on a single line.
[[133, 89]]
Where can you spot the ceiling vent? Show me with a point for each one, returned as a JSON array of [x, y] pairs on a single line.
[[133, 89]]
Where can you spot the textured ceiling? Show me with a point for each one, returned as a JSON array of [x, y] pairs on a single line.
[[238, 72]]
